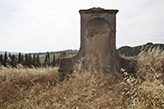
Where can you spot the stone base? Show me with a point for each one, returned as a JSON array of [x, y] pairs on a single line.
[[68, 64], [127, 63]]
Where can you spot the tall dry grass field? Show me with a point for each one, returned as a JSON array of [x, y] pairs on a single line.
[[17, 86], [40, 88]]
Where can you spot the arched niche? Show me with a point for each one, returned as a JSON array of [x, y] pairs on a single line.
[[97, 36], [97, 26]]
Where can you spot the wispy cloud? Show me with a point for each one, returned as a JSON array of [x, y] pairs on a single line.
[[48, 25]]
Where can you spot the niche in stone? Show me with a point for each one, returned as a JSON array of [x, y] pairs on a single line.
[[97, 36], [97, 27]]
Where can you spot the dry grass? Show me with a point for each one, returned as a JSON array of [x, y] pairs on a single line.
[[23, 84], [39, 88], [149, 86]]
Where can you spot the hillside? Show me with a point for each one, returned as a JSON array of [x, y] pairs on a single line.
[[70, 52], [124, 50], [134, 51]]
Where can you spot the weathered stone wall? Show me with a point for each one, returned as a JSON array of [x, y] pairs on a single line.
[[98, 41]]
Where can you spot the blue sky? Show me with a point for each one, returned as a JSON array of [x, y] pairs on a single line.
[[53, 25]]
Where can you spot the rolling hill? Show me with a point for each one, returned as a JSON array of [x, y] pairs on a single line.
[[134, 51], [124, 50]]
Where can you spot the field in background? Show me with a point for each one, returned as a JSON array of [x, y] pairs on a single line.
[[25, 88], [42, 57]]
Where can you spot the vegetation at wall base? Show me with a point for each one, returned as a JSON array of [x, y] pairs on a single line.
[[38, 88]]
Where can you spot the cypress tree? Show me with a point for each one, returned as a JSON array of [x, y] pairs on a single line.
[[14, 60], [53, 62], [47, 59], [19, 58], [10, 55], [29, 60], [1, 59], [38, 61], [34, 61], [5, 59], [22, 60], [26, 63]]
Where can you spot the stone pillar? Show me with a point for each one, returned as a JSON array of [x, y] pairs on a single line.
[[98, 37]]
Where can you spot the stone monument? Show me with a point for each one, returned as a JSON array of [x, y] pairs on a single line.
[[98, 42]]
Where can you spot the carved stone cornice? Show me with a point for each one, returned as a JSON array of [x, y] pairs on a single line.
[[97, 10]]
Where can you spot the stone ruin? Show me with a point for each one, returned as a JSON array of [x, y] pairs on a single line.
[[98, 42]]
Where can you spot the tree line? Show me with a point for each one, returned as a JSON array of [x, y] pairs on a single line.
[[27, 60]]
